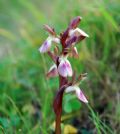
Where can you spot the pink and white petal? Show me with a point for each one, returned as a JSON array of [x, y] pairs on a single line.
[[45, 46], [56, 40], [78, 32], [71, 32], [69, 89], [81, 96], [62, 69], [52, 71], [68, 68]]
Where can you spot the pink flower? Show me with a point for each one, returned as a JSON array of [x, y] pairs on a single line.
[[47, 44], [64, 68], [77, 32], [52, 71], [80, 95], [75, 36]]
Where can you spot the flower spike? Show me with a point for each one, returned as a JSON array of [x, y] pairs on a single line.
[[67, 41]]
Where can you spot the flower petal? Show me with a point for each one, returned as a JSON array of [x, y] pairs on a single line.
[[65, 68], [72, 40], [45, 46], [78, 92], [68, 68], [69, 89], [80, 95], [52, 71], [78, 32], [56, 40], [62, 69]]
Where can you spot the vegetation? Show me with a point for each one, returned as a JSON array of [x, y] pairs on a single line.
[[26, 96]]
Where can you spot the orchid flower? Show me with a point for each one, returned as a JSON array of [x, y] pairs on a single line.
[[75, 35], [80, 95], [52, 71], [47, 44], [64, 68], [77, 32]]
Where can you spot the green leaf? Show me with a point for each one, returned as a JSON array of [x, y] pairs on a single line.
[[71, 103], [15, 120], [75, 104], [67, 108], [4, 122]]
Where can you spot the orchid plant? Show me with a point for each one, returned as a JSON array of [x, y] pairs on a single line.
[[64, 47]]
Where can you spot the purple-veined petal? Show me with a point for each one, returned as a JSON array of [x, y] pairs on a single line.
[[77, 32], [52, 71], [45, 46], [80, 95], [62, 69], [69, 68], [78, 92], [65, 68], [71, 40]]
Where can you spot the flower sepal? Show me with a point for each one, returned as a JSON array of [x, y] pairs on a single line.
[[80, 95], [52, 71], [48, 43]]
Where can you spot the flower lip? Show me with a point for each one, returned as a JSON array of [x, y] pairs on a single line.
[[80, 95], [47, 44], [64, 67]]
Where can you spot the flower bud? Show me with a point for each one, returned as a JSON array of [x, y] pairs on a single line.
[[49, 30], [74, 23]]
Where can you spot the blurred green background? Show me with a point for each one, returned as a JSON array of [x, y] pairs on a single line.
[[26, 96]]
